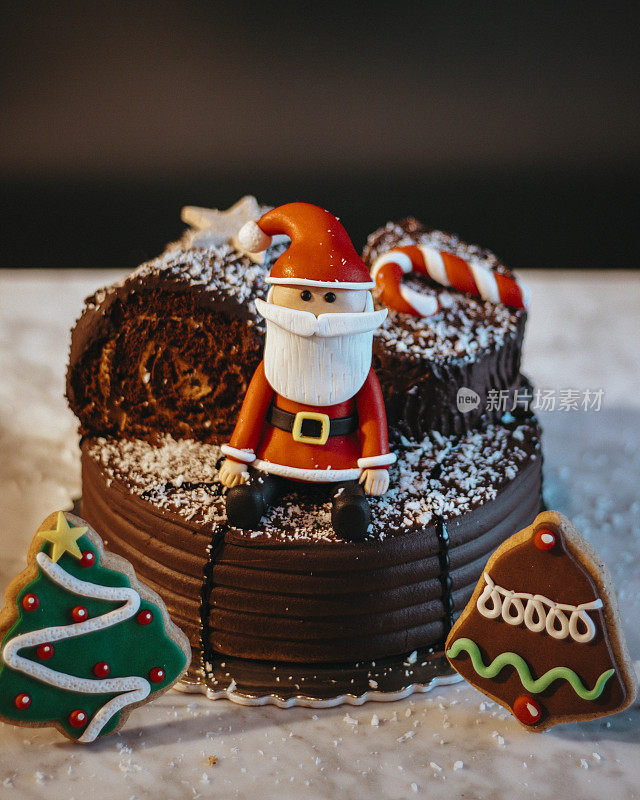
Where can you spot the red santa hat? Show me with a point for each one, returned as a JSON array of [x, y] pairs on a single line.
[[320, 253]]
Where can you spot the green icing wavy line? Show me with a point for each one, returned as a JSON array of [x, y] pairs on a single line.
[[522, 668]]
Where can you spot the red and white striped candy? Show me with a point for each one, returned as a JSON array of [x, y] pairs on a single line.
[[447, 270]]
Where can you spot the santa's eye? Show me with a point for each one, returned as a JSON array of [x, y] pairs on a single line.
[[329, 297], [306, 295]]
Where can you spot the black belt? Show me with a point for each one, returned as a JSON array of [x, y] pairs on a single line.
[[310, 426]]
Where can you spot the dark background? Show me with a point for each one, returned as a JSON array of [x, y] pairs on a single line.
[[514, 124]]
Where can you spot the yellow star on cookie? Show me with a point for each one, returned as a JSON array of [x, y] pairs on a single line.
[[64, 538]]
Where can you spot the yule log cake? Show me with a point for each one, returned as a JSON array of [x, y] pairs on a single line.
[[470, 343], [159, 365]]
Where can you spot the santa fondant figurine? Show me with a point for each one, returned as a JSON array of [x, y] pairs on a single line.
[[313, 411]]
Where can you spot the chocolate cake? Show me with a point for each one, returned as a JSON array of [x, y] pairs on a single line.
[[292, 595], [158, 368]]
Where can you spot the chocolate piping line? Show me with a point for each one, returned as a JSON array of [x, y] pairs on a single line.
[[217, 540]]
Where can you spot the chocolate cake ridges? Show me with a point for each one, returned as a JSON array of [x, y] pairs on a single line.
[[159, 507]]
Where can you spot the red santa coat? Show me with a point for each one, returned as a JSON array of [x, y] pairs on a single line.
[[256, 442]]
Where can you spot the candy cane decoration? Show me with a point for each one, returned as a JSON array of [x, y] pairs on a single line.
[[446, 269]]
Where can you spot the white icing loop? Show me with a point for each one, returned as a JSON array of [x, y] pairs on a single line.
[[512, 601], [132, 689], [497, 602]]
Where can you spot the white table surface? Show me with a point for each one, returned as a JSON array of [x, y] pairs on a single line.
[[583, 333]]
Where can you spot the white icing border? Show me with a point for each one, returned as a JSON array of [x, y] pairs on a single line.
[[308, 702], [134, 688], [320, 284], [383, 460], [246, 456]]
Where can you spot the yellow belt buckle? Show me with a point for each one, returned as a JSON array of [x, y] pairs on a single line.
[[302, 416]]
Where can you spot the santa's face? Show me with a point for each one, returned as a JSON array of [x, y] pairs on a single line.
[[318, 345], [320, 301]]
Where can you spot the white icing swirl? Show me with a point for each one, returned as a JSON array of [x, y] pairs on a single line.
[[133, 689]]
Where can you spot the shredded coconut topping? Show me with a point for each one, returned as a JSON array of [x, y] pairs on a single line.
[[464, 328], [441, 477], [410, 231]]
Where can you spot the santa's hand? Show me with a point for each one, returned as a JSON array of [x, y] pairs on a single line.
[[376, 481], [232, 473]]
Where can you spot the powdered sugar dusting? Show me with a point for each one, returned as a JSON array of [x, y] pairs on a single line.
[[217, 270], [463, 329], [410, 231]]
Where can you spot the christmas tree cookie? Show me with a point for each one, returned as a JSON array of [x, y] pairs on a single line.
[[541, 634], [83, 641]]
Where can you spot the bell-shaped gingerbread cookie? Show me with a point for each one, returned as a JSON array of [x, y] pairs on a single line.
[[541, 634]]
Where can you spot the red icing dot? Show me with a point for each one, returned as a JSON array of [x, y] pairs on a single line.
[[30, 602], [144, 617], [527, 710], [77, 718], [156, 675], [88, 559], [79, 614], [22, 700], [44, 651], [544, 539], [101, 669]]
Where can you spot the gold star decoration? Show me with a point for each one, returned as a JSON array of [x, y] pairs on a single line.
[[64, 538]]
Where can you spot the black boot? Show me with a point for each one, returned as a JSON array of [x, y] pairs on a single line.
[[350, 512], [248, 502], [245, 506]]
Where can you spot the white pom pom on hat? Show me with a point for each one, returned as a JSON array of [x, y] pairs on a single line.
[[252, 238]]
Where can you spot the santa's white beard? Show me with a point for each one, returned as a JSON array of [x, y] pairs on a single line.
[[318, 369]]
